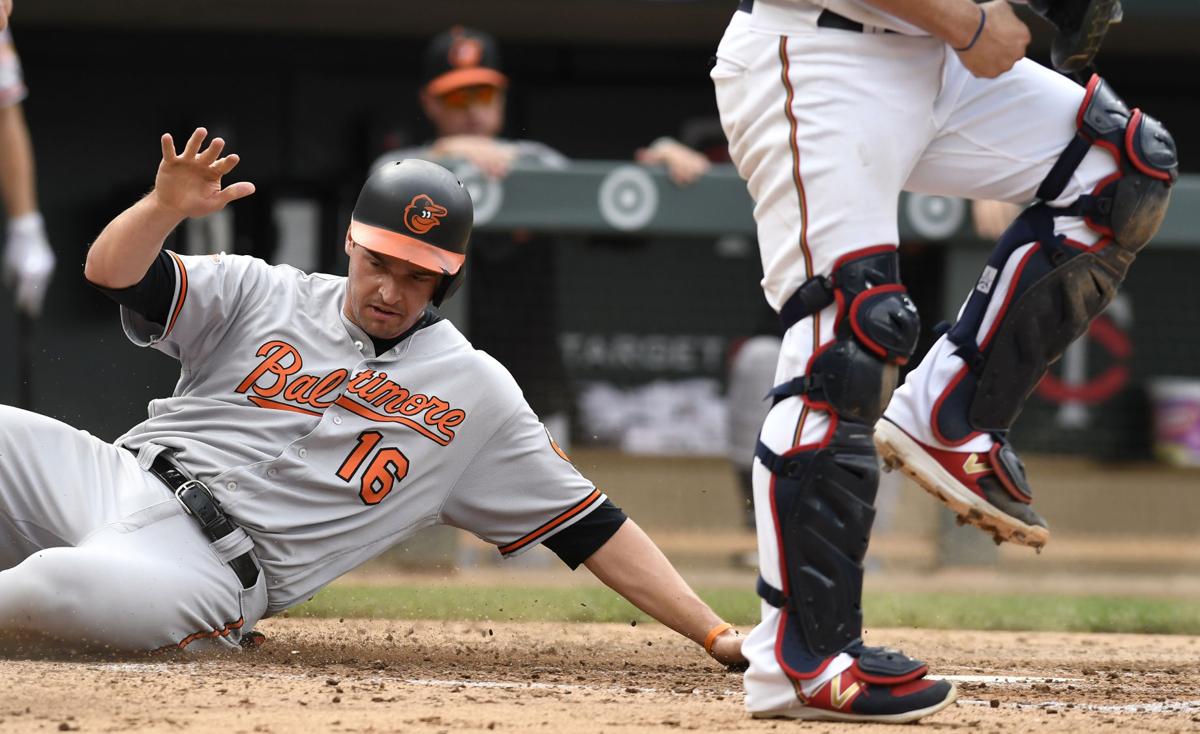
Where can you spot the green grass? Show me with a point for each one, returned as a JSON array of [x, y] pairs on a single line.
[[1034, 612], [594, 604]]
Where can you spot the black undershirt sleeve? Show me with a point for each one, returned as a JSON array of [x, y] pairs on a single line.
[[151, 296], [576, 544]]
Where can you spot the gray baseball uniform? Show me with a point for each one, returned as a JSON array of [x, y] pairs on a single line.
[[324, 452]]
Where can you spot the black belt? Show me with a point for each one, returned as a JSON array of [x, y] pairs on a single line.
[[831, 19], [198, 502], [827, 18]]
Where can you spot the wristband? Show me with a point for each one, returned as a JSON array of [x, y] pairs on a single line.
[[713, 634], [979, 30]]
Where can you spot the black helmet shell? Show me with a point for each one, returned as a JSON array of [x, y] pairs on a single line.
[[416, 211]]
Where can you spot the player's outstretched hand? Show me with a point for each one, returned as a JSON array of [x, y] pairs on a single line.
[[1001, 43], [190, 182], [727, 650]]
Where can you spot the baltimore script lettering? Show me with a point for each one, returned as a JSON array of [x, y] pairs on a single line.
[[369, 394]]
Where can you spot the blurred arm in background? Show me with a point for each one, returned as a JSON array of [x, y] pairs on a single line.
[[991, 217], [684, 165], [5, 11], [28, 257]]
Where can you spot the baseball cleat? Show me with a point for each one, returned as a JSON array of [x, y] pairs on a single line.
[[854, 695], [253, 639], [987, 490]]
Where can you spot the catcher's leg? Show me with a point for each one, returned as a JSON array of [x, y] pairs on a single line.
[[815, 504], [1037, 294], [797, 132]]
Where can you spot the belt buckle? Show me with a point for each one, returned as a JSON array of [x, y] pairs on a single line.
[[190, 484]]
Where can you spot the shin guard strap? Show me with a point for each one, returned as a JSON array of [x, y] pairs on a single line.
[[887, 667], [770, 594]]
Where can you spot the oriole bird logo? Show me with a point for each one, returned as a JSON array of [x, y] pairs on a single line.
[[423, 214], [465, 52]]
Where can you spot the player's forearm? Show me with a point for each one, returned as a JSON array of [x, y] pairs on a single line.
[[16, 163], [125, 249], [633, 566], [953, 21]]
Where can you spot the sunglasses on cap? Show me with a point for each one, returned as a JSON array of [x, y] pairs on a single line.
[[465, 97]]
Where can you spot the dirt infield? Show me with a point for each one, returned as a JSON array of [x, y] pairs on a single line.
[[375, 676]]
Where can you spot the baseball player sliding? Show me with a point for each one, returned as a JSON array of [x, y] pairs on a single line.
[[831, 108], [317, 421]]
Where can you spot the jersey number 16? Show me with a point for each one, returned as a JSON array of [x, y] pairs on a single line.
[[387, 467]]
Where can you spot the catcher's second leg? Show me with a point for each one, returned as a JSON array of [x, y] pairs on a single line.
[[947, 427]]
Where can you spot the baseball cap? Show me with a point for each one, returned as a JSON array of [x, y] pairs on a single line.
[[461, 57]]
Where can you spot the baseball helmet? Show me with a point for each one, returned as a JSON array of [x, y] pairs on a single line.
[[416, 211]]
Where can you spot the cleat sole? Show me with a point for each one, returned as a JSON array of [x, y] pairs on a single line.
[[894, 444], [811, 713]]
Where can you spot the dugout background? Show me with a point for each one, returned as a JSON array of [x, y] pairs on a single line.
[[308, 93]]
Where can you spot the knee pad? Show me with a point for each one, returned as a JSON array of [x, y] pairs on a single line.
[[1130, 206], [875, 331], [823, 501]]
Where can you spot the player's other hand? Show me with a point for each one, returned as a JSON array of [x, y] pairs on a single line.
[[1001, 43], [6, 7], [684, 165], [489, 155], [189, 183]]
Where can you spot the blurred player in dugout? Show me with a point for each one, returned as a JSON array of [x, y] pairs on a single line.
[[28, 260], [512, 301]]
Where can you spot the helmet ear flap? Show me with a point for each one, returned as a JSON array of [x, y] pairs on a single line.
[[449, 284]]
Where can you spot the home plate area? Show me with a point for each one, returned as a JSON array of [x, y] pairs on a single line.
[[370, 675]]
